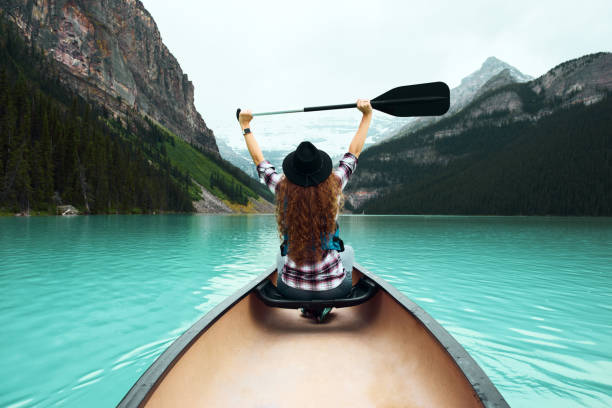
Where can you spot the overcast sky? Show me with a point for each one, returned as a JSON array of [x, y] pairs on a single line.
[[284, 54]]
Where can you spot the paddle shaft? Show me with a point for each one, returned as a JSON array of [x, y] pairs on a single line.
[[375, 104]]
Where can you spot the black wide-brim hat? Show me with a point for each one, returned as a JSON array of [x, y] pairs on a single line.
[[307, 166]]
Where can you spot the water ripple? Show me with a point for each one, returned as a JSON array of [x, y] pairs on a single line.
[[97, 299]]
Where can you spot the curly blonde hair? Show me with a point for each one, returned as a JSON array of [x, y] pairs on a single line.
[[307, 215]]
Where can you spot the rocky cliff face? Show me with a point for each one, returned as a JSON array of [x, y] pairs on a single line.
[[112, 52], [582, 80]]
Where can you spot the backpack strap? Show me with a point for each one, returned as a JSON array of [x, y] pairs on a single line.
[[335, 242], [284, 248]]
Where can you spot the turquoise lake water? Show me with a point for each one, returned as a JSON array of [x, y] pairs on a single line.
[[88, 303]]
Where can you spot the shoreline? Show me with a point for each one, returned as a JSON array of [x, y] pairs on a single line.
[[4, 214]]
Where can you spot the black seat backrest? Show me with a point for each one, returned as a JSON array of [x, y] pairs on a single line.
[[361, 292]]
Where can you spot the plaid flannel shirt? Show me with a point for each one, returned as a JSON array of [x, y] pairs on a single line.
[[327, 273]]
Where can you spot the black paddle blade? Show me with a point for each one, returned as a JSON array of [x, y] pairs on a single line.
[[430, 99]]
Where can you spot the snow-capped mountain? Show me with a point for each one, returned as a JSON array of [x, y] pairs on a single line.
[[332, 130]]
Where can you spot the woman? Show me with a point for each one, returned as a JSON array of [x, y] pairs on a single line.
[[313, 263]]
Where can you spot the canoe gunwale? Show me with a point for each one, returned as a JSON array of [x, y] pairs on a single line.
[[488, 394], [480, 382], [141, 390]]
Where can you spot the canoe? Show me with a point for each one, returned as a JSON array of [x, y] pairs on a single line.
[[383, 351]]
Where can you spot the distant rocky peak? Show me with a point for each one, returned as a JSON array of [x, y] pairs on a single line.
[[492, 66], [492, 61], [471, 84], [503, 78]]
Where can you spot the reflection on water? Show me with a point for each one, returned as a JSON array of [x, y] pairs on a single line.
[[89, 302]]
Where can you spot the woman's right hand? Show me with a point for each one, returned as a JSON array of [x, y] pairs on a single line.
[[364, 106], [245, 118]]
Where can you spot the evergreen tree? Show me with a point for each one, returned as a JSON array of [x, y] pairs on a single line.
[[22, 182], [46, 161]]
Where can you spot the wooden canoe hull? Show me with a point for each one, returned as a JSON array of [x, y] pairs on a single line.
[[385, 352]]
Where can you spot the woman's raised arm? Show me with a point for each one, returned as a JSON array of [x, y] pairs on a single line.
[[245, 118], [359, 139]]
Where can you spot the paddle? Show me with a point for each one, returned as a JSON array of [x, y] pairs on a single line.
[[430, 99]]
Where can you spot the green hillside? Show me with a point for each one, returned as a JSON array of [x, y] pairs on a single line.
[[559, 165], [56, 147], [217, 175]]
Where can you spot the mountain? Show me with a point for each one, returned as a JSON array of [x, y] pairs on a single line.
[[471, 84], [493, 73], [333, 130], [540, 147], [111, 51], [58, 148], [498, 80]]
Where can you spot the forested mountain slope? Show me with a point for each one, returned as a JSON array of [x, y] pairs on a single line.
[[541, 147], [58, 148]]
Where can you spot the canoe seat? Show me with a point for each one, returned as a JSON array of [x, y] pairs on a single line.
[[362, 291]]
